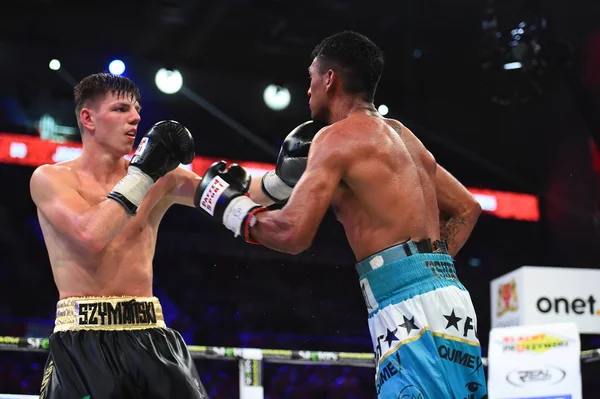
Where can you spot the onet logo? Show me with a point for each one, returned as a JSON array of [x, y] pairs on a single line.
[[562, 305]]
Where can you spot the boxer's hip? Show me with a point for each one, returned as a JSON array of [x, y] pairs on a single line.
[[150, 362], [404, 271], [117, 347], [422, 323], [113, 313]]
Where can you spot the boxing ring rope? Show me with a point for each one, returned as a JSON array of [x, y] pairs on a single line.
[[249, 360]]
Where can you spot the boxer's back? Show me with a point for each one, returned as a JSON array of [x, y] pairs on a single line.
[[388, 192], [124, 265]]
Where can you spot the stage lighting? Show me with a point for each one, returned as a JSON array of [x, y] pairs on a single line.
[[512, 65], [521, 57], [54, 64], [169, 81], [383, 109], [276, 97], [116, 67]]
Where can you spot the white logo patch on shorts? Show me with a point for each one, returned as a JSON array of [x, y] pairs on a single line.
[[376, 262], [211, 194], [368, 295]]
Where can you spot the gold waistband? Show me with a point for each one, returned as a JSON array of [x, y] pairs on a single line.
[[108, 313]]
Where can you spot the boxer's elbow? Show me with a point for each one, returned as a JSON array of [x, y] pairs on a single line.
[[91, 242], [299, 241], [89, 237], [282, 233], [295, 247], [294, 241], [473, 209], [467, 208]]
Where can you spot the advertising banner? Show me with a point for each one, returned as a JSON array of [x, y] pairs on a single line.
[[535, 362]]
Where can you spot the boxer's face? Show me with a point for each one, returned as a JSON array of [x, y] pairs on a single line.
[[317, 92], [115, 122]]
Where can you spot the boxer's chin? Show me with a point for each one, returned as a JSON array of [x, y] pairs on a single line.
[[317, 115]]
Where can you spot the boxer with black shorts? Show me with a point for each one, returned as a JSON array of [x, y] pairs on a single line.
[[100, 215], [405, 218]]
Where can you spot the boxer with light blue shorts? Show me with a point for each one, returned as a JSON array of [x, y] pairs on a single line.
[[405, 218], [422, 324]]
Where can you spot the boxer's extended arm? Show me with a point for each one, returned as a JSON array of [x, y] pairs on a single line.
[[257, 193], [293, 228], [91, 227], [183, 186], [459, 210], [185, 183]]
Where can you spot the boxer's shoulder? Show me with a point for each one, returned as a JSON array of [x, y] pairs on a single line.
[[61, 173], [349, 133], [395, 124]]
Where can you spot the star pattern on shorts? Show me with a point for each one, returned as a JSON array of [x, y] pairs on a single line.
[[409, 324], [452, 320], [391, 336]]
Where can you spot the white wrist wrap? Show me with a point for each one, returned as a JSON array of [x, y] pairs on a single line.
[[134, 185], [275, 187], [236, 212]]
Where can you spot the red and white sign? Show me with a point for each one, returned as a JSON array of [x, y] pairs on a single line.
[[33, 151]]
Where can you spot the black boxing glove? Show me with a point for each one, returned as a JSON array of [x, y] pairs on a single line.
[[166, 145], [221, 195], [291, 162]]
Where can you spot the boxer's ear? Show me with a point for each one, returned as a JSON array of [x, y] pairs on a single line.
[[331, 79], [87, 119]]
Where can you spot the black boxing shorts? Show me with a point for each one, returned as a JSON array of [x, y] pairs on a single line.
[[117, 347]]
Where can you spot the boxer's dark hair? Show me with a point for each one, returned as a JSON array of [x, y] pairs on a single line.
[[355, 58], [93, 86]]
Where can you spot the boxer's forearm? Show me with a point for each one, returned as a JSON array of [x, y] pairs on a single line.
[[275, 231], [257, 194], [456, 230], [97, 226]]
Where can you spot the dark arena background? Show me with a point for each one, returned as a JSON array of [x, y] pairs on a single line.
[[505, 94]]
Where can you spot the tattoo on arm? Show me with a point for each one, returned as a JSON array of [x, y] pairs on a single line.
[[450, 227]]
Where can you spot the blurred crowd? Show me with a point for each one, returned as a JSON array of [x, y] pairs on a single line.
[[219, 291]]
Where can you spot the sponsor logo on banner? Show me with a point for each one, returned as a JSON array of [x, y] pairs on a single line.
[[539, 343], [507, 298], [38, 343], [9, 341], [548, 375], [535, 362], [226, 352], [563, 305], [319, 356]]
